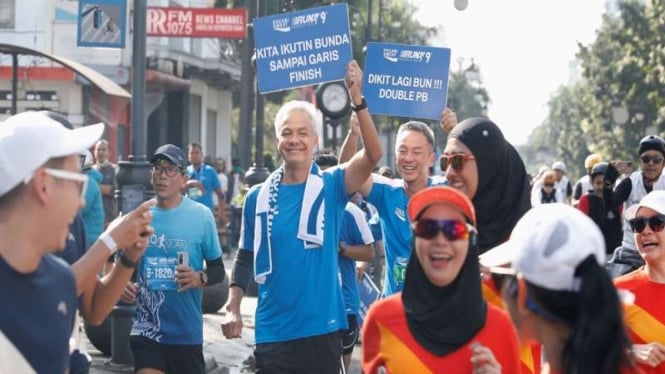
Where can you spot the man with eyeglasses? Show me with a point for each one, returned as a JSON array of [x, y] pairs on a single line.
[[167, 331], [633, 188], [41, 191]]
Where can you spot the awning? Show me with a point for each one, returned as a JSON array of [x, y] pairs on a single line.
[[96, 79]]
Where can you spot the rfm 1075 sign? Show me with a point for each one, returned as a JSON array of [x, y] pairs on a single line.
[[197, 22]]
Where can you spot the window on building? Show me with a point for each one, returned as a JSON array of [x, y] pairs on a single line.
[[7, 14]]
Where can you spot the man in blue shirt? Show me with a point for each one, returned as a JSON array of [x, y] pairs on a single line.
[[167, 331], [290, 231], [41, 191], [414, 156], [203, 179], [355, 244]]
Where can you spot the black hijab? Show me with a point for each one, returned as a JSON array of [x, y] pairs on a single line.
[[443, 319], [503, 191]]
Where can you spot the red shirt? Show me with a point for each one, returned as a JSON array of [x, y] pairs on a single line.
[[388, 343], [645, 318]]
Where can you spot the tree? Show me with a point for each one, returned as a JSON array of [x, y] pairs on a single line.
[[625, 67]]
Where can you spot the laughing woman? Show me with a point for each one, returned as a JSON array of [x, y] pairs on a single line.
[[440, 322], [481, 163], [646, 317]]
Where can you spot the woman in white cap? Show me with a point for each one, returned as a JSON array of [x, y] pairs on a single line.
[[440, 322], [559, 294], [646, 316]]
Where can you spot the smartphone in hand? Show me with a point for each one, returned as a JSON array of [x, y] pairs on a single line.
[[183, 258]]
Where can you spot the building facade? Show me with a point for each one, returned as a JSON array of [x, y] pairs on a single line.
[[188, 80]]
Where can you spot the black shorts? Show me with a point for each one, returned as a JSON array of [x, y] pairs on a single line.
[[350, 335], [169, 358], [319, 354]]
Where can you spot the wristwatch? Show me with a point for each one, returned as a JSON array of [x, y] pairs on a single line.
[[204, 277], [359, 107], [126, 262]]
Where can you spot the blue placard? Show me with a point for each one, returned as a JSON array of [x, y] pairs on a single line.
[[406, 80], [102, 23], [302, 48], [369, 293]]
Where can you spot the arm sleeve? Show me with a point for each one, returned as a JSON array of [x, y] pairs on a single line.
[[215, 271], [622, 191], [242, 269]]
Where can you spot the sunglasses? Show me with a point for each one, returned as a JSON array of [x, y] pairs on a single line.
[[79, 178], [548, 185], [451, 229], [457, 160], [656, 223], [651, 159]]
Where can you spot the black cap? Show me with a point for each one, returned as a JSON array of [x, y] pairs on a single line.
[[653, 143], [171, 153]]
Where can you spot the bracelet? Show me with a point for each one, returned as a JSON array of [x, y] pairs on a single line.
[[361, 106], [126, 262], [109, 242]]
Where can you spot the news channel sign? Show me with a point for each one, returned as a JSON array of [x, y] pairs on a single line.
[[102, 23], [302, 48], [406, 80]]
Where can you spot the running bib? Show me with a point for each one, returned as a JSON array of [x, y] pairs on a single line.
[[399, 269], [159, 272]]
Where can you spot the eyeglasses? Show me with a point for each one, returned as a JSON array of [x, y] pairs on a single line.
[[651, 159], [451, 229], [81, 179], [457, 160], [656, 223], [171, 171]]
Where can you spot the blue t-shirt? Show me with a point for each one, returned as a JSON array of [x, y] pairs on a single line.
[[93, 211], [207, 175], [162, 313], [390, 200], [302, 296], [354, 231], [37, 312], [75, 247]]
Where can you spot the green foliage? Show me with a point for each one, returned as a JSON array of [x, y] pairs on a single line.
[[623, 67]]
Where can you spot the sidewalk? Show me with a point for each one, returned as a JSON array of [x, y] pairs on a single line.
[[222, 356]]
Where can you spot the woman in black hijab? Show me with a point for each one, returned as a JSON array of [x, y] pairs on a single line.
[[482, 164], [439, 323]]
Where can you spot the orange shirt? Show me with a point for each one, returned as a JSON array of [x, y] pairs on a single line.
[[530, 355], [645, 318], [388, 343]]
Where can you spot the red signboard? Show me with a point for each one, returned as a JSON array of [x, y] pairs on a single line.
[[197, 22]]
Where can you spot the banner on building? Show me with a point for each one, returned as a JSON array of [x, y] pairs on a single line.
[[406, 80], [102, 23], [197, 22], [302, 48]]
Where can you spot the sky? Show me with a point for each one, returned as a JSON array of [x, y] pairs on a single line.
[[522, 47]]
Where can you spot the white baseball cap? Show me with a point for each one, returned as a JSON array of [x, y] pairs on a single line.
[[559, 165], [654, 200], [29, 139], [547, 245]]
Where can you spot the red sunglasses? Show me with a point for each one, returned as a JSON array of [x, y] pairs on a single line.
[[457, 160], [451, 229]]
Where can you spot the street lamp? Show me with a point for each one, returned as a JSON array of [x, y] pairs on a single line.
[[257, 173]]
